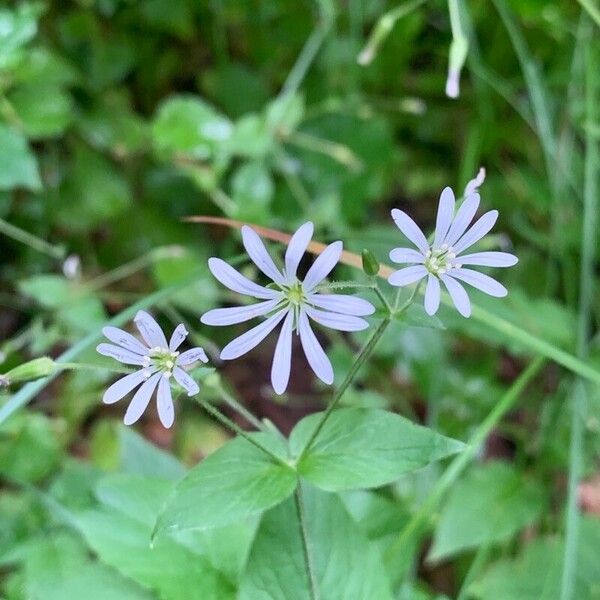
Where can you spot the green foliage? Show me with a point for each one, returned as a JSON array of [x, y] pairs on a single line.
[[491, 504], [345, 566], [362, 448], [118, 120], [236, 482]]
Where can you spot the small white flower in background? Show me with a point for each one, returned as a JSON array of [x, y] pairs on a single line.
[[290, 300], [158, 361], [443, 260]]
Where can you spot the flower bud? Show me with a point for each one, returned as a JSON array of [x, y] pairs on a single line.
[[33, 369], [370, 264]]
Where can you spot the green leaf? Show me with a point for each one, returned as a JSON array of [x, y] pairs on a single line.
[[536, 573], [94, 192], [29, 447], [56, 568], [491, 504], [253, 190], [416, 316], [17, 27], [186, 126], [138, 456], [45, 110], [237, 481], [19, 166], [120, 532], [346, 564], [362, 448]]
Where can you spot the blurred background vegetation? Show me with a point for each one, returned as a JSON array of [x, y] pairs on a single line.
[[120, 117]]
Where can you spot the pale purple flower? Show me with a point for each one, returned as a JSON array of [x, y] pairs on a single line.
[[289, 301], [443, 260], [158, 359]]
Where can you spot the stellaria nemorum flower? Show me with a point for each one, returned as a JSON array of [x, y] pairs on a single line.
[[287, 300], [158, 360], [443, 260]]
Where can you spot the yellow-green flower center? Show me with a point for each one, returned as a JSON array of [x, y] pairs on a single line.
[[440, 260], [295, 294], [162, 359]]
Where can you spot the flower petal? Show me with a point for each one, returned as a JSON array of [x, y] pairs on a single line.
[[191, 356], [141, 399], [282, 359], [125, 339], [489, 259], [238, 314], [258, 253], [346, 305], [410, 229], [164, 402], [407, 275], [475, 233], [123, 356], [475, 183], [445, 214], [236, 282], [123, 386], [178, 336], [336, 321], [480, 281], [406, 256], [150, 329], [296, 249], [458, 295], [316, 357], [463, 217], [252, 337], [322, 266], [185, 381], [432, 295]]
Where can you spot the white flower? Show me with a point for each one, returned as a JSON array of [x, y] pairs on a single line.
[[158, 359], [290, 301], [443, 260]]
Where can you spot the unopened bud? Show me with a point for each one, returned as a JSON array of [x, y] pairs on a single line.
[[370, 264], [34, 369]]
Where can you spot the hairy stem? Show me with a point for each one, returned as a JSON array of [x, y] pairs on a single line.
[[306, 549], [235, 428]]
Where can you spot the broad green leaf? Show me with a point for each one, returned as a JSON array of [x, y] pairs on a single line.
[[186, 126], [19, 166], [536, 573], [45, 110], [253, 190], [492, 503], [166, 567], [56, 568], [362, 448], [29, 447], [51, 291], [346, 564], [17, 27], [236, 482], [139, 456], [94, 191]]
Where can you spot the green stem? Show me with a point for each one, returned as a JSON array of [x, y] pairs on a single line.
[[66, 366], [480, 557], [307, 54], [383, 299], [137, 264], [16, 233], [457, 466], [308, 560], [588, 250], [235, 428], [360, 359], [229, 399]]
